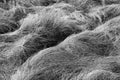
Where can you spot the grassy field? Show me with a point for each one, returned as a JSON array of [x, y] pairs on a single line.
[[60, 40]]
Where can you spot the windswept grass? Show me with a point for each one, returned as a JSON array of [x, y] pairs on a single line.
[[59, 40]]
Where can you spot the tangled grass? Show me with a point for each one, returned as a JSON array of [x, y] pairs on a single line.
[[59, 40]]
